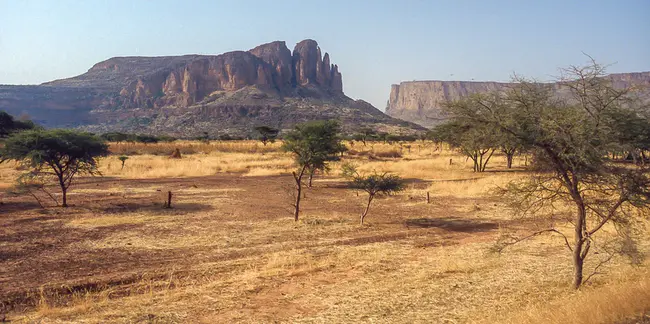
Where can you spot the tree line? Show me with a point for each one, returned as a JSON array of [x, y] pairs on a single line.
[[58, 155]]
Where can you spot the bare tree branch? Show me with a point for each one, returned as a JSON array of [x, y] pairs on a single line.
[[517, 240]]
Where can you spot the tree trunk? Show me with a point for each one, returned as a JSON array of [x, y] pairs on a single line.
[[296, 212], [365, 212], [64, 190], [579, 250], [474, 157], [311, 177], [509, 160], [484, 163], [298, 179], [168, 202], [578, 263], [64, 198], [643, 158]]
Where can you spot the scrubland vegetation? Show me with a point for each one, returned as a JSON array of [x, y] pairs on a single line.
[[230, 251], [455, 231]]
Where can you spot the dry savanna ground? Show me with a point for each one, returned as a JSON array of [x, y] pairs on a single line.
[[229, 251]]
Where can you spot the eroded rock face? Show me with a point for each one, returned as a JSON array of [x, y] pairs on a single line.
[[312, 69], [182, 81], [279, 57], [187, 95], [190, 83], [421, 101]]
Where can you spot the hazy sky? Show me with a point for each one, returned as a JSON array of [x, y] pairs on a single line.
[[375, 43]]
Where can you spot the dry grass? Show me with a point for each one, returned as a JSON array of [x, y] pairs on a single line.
[[325, 268], [381, 282], [197, 165], [9, 172], [198, 159], [111, 220], [622, 298], [480, 186], [193, 147]]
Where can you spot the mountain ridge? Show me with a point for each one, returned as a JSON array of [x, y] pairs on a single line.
[[190, 94]]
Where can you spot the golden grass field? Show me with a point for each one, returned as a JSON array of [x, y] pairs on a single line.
[[230, 252]]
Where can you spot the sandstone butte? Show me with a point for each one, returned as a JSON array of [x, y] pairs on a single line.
[[187, 95], [421, 101]]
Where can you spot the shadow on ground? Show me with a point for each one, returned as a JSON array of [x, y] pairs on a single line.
[[140, 206], [452, 224]]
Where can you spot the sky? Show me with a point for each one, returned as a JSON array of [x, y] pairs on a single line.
[[375, 43]]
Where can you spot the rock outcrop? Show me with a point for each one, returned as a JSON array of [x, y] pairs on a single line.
[[153, 82], [191, 94], [421, 101], [310, 68], [279, 57]]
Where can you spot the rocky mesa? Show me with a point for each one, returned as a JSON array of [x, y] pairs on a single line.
[[421, 101], [190, 94]]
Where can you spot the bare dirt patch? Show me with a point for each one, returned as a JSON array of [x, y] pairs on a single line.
[[117, 233]]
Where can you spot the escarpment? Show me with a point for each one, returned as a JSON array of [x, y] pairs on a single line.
[[421, 101]]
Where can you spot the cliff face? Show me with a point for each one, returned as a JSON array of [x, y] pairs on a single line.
[[421, 101], [186, 95], [152, 82], [279, 57], [311, 69]]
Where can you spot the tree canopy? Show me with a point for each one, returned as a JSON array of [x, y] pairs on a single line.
[[376, 183], [569, 139], [266, 134], [59, 153], [476, 141], [313, 145], [314, 142]]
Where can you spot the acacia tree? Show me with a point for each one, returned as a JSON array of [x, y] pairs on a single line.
[[508, 145], [266, 134], [123, 159], [115, 137], [60, 153], [317, 165], [374, 184], [569, 137], [365, 134], [632, 130], [313, 145], [146, 139], [475, 141]]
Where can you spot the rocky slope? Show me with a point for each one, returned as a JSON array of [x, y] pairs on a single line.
[[421, 101], [191, 94]]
